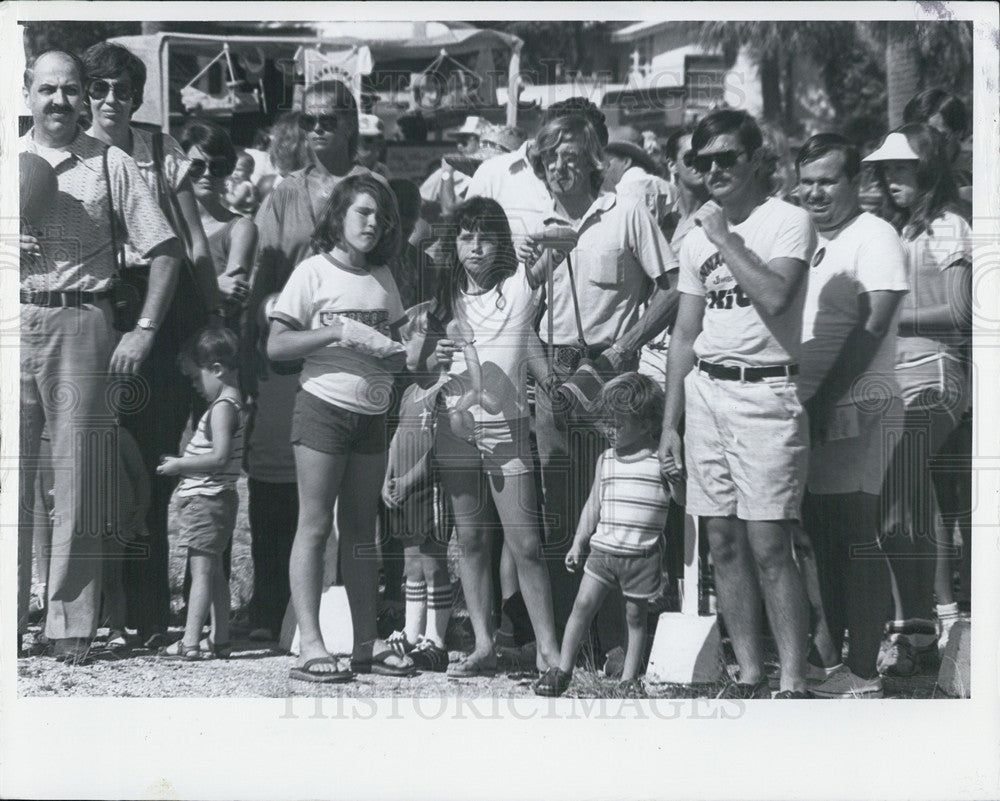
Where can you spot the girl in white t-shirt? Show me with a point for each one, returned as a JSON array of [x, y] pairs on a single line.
[[932, 371], [483, 320], [340, 311]]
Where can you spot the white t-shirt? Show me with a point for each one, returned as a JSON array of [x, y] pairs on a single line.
[[733, 330], [501, 320], [321, 288], [865, 255], [510, 181]]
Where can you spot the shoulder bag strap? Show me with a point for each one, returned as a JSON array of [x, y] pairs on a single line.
[[166, 198], [576, 304], [116, 251]]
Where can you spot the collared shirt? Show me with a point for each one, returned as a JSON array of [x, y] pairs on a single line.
[[619, 254], [510, 180], [430, 190], [76, 232], [659, 195]]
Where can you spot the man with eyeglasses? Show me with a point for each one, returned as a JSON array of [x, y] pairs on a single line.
[[68, 341], [731, 371]]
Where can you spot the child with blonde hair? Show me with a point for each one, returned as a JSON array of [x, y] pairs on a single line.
[[622, 523]]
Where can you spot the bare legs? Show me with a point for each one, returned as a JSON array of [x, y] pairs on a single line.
[[741, 550]]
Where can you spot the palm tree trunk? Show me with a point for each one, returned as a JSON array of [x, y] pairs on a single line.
[[902, 73], [770, 87]]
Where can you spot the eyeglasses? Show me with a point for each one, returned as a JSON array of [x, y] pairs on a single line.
[[688, 159], [217, 168], [724, 158], [328, 122], [98, 90]]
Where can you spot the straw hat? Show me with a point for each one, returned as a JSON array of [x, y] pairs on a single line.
[[627, 141]]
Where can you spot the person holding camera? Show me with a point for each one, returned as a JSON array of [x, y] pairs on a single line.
[[608, 291]]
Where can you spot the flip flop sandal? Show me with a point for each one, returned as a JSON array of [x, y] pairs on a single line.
[[467, 669], [379, 665], [180, 652], [305, 672]]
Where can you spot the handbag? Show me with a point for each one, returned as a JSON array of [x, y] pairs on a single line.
[[578, 398], [128, 287]]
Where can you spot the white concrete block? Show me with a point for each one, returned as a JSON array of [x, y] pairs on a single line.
[[687, 649], [334, 623], [955, 676]]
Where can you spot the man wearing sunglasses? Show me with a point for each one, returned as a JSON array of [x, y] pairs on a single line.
[[68, 343], [731, 372]]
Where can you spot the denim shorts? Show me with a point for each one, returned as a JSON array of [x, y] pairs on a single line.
[[331, 429]]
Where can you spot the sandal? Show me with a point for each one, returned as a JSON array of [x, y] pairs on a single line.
[[215, 650], [553, 683], [116, 640], [468, 669], [378, 664], [305, 672], [179, 651]]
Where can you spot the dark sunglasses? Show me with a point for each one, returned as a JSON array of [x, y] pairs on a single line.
[[688, 159], [98, 90], [217, 168], [328, 122], [724, 158]]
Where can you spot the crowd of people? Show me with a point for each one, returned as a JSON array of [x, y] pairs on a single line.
[[552, 350]]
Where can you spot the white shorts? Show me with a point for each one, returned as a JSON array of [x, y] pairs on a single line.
[[746, 448], [856, 463]]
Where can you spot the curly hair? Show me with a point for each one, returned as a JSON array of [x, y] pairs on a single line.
[[287, 148], [329, 231], [486, 216], [555, 132], [634, 395]]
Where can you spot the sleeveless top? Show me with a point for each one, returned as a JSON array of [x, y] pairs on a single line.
[[634, 505], [201, 445]]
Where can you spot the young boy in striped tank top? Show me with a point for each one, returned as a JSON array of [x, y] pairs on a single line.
[[207, 498], [622, 522]]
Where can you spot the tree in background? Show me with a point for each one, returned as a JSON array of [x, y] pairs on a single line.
[[869, 69]]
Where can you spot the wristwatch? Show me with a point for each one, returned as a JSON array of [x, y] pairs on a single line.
[[145, 323]]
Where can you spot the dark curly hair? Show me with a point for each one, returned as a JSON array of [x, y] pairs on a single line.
[[329, 231], [106, 60], [634, 395], [486, 216]]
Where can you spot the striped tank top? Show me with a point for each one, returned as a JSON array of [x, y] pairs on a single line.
[[634, 505], [201, 445]]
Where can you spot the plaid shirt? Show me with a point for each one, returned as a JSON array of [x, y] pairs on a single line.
[[75, 234]]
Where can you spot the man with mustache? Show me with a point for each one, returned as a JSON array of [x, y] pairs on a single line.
[[68, 341], [731, 371]]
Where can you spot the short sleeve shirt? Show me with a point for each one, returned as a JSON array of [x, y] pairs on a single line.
[[317, 292], [659, 195], [733, 331], [430, 190], [76, 232], [865, 255], [619, 254], [947, 240], [510, 181]]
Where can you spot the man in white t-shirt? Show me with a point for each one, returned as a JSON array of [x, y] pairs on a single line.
[[731, 367], [856, 283]]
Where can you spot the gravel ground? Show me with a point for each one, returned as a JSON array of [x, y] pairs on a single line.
[[256, 671]]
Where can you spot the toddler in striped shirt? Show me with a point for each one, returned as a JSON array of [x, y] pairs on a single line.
[[622, 522], [206, 496]]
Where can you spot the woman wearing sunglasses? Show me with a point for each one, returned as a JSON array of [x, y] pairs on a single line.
[[328, 121], [116, 82], [231, 236]]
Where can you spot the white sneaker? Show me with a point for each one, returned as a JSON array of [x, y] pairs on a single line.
[[844, 684]]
